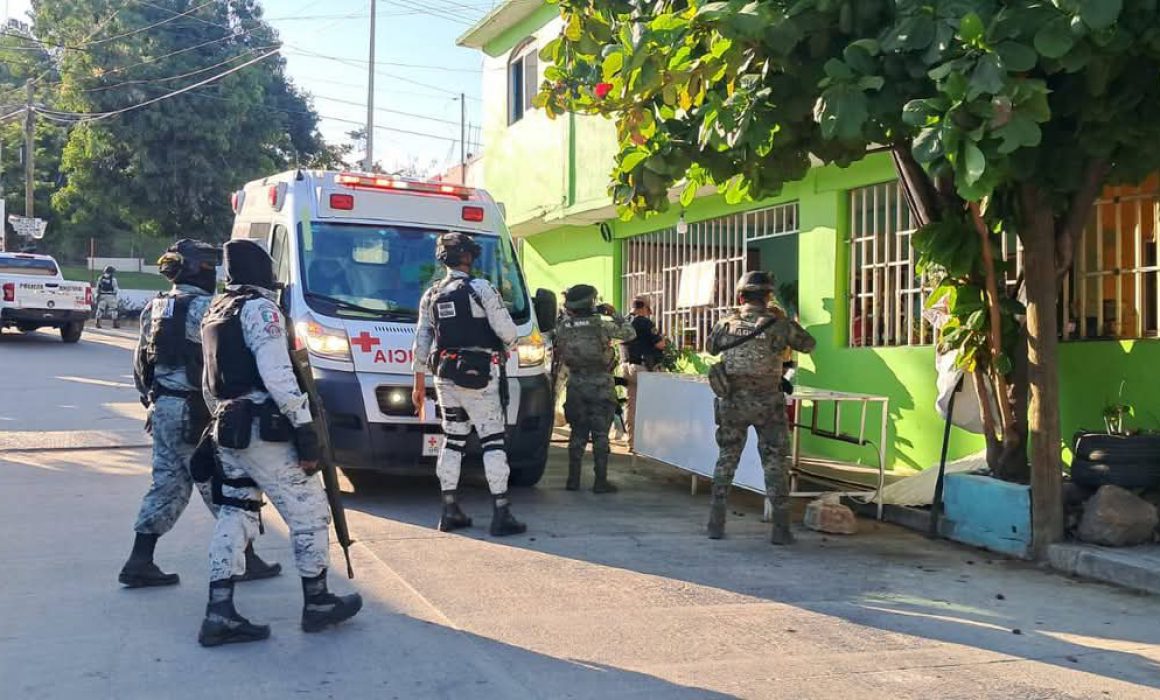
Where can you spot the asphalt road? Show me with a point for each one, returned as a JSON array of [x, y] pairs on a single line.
[[605, 597]]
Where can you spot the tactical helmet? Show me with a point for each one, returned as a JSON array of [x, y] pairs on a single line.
[[188, 258], [755, 282], [580, 297], [109, 270], [248, 263], [452, 246]]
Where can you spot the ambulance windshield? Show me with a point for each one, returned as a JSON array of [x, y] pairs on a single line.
[[361, 269]]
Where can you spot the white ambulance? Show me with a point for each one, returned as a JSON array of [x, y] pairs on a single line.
[[355, 253]]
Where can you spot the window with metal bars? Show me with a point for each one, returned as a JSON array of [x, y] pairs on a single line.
[[719, 251]]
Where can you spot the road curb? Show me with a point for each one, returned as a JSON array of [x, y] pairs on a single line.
[[16, 442], [1131, 568]]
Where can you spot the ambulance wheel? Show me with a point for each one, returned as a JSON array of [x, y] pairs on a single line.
[[71, 332], [528, 472]]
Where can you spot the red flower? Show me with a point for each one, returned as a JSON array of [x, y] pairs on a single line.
[[602, 89]]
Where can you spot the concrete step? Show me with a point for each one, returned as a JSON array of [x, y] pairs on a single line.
[[1137, 568]]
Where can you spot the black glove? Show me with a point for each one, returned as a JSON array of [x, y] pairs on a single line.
[[786, 387], [306, 442]]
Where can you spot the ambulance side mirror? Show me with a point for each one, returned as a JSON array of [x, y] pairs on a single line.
[[545, 306]]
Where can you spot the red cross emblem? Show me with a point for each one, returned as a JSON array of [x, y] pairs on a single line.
[[365, 341], [433, 441]]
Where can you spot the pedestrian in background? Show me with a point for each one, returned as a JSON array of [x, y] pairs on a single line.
[[641, 354], [584, 342], [109, 297], [167, 369], [748, 385]]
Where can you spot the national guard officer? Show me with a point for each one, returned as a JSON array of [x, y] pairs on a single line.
[[108, 297], [266, 442], [465, 320], [584, 343], [167, 369], [747, 382]]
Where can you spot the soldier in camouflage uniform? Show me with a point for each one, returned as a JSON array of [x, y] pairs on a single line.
[[267, 443], [584, 343], [167, 369], [748, 386]]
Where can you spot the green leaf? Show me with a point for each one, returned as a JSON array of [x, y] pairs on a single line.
[[1100, 14], [916, 113], [574, 29], [667, 22], [841, 112], [971, 27], [735, 190], [871, 82], [928, 146], [988, 77], [612, 65], [1017, 57], [633, 159], [1003, 364], [1054, 39], [1020, 132], [688, 194], [838, 70]]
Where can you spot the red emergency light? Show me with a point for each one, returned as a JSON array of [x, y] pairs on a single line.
[[473, 213], [9, 291], [387, 184], [277, 196], [342, 202]]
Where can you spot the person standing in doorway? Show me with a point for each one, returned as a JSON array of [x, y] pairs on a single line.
[[641, 354], [108, 297], [747, 384], [584, 341], [466, 322]]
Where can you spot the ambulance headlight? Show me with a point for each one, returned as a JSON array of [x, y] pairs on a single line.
[[330, 343], [531, 350]]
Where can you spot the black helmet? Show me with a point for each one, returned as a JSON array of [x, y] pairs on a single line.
[[453, 246], [188, 259], [755, 282], [248, 263], [109, 270], [579, 297]]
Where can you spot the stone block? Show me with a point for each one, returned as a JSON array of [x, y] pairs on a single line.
[[1116, 517], [827, 515]]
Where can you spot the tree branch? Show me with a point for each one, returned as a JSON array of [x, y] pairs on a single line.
[[1068, 230], [920, 191]]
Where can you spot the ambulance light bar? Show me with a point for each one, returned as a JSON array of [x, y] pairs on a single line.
[[372, 182]]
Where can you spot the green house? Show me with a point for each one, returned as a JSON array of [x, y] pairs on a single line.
[[838, 241]]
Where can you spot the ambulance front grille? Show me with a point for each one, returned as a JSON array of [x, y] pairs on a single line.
[[394, 328]]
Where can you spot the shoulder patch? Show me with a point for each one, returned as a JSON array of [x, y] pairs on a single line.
[[270, 315], [273, 330]]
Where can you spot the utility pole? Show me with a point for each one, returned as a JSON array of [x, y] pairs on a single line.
[[462, 139], [29, 151], [369, 165]]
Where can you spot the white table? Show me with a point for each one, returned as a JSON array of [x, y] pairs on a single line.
[[675, 425]]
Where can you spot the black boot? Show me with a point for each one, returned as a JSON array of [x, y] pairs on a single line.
[[222, 623], [573, 483], [716, 527], [116, 323], [256, 568], [140, 571], [503, 523], [602, 485], [453, 517], [321, 608], [781, 534]]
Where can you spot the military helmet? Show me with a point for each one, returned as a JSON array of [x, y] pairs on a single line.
[[187, 258], [109, 269], [755, 282], [452, 246], [580, 297]]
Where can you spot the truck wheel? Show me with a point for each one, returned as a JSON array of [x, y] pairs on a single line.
[[528, 472], [71, 332]]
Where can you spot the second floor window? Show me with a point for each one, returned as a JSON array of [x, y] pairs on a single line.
[[523, 81]]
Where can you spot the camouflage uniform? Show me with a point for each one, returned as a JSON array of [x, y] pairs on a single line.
[[108, 299], [299, 498], [172, 485], [755, 399], [584, 342]]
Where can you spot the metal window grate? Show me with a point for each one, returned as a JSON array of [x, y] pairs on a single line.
[[654, 263]]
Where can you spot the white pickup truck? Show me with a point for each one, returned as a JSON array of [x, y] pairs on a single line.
[[34, 294]]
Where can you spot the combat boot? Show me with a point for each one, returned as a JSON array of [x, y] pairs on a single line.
[[140, 571], [503, 523], [116, 323], [222, 623], [573, 483], [321, 608], [716, 526], [781, 533], [256, 568], [602, 485], [453, 518], [98, 323]]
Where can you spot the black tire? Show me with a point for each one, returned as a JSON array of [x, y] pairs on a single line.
[[71, 332], [526, 473], [1134, 475], [1118, 449], [362, 478]]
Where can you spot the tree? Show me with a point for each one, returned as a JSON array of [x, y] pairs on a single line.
[[167, 169], [1002, 116]]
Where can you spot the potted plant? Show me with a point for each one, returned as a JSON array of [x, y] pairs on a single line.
[[1114, 414]]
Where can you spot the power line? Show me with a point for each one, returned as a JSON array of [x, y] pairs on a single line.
[[386, 110], [355, 63], [418, 66]]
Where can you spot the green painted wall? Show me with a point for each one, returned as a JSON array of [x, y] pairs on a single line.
[[569, 255], [1091, 372]]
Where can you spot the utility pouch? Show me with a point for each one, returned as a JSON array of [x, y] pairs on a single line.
[[468, 370], [272, 425], [197, 418], [203, 462], [235, 422], [719, 381]]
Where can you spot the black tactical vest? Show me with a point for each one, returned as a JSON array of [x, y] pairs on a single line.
[[105, 285], [168, 345], [455, 326], [231, 369]]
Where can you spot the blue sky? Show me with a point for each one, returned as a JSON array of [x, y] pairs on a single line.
[[418, 33]]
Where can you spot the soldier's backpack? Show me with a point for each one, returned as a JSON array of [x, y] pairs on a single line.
[[718, 375], [583, 345]]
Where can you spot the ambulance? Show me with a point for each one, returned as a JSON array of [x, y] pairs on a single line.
[[355, 253]]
